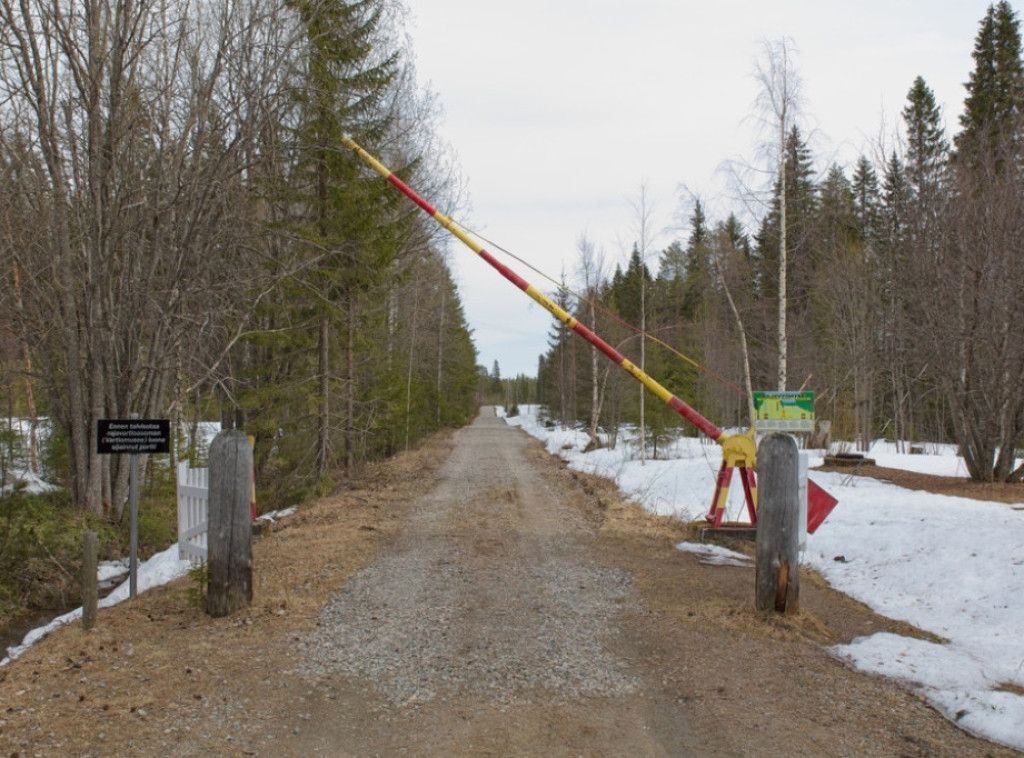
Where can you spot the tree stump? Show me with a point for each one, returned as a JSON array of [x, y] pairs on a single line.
[[778, 534], [229, 536]]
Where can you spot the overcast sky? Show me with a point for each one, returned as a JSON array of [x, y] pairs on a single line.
[[560, 110]]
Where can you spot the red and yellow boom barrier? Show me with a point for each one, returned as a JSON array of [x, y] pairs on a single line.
[[738, 450]]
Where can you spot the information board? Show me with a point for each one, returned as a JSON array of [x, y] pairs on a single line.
[[784, 411], [116, 436]]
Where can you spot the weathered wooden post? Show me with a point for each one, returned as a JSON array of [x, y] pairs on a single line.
[[229, 536], [778, 508], [90, 580]]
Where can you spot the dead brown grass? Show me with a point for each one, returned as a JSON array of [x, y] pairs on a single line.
[[160, 661]]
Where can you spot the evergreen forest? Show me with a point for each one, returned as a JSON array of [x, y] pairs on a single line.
[[892, 288]]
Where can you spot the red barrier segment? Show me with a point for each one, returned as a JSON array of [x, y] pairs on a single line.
[[673, 402], [738, 450]]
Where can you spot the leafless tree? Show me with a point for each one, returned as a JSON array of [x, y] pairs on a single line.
[[590, 269], [133, 124], [778, 100], [643, 220], [970, 304]]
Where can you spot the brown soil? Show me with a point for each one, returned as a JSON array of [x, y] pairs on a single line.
[[159, 677], [999, 492]]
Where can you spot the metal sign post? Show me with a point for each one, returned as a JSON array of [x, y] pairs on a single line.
[[133, 527], [133, 436]]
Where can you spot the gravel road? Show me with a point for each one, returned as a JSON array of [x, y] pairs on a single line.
[[490, 604], [523, 611], [471, 598]]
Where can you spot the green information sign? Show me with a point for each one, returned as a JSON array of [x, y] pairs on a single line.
[[784, 411]]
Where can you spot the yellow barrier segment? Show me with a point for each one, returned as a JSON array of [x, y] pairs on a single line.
[[738, 450]]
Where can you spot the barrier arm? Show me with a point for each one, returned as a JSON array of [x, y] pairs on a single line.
[[738, 450]]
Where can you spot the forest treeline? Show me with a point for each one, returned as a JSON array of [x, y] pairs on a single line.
[[893, 288], [182, 235]]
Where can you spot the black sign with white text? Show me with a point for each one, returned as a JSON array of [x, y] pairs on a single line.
[[136, 435]]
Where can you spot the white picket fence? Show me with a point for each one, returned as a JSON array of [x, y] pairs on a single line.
[[193, 512]]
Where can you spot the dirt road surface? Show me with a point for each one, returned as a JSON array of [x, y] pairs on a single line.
[[472, 598]]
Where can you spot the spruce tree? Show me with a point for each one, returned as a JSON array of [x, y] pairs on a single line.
[[555, 375], [671, 284], [896, 197], [837, 215], [731, 262], [674, 319], [455, 380], [927, 148], [698, 276], [845, 310], [626, 287], [342, 212], [801, 194], [867, 203], [629, 299], [995, 89]]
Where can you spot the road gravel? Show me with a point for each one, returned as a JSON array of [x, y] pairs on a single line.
[[472, 597]]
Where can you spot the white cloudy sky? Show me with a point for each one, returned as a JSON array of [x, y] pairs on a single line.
[[560, 110]]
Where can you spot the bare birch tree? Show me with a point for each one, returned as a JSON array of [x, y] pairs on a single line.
[[643, 221], [590, 269], [778, 101]]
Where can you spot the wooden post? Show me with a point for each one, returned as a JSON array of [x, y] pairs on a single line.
[[90, 580], [229, 536], [778, 508]]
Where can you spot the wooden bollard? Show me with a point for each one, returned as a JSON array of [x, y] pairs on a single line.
[[229, 535], [90, 579], [778, 535]]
